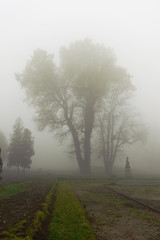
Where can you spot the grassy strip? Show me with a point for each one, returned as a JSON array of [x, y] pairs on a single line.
[[69, 221], [13, 189], [19, 231], [42, 216]]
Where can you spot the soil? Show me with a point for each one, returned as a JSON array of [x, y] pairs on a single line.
[[115, 218], [147, 194], [23, 205]]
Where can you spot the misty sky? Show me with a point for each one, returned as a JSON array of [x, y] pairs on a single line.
[[131, 28]]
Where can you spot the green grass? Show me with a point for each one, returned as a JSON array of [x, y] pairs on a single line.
[[13, 189], [69, 221]]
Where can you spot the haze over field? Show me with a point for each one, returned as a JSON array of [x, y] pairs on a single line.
[[131, 28]]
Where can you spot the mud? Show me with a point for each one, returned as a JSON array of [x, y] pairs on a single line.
[[23, 205], [116, 218]]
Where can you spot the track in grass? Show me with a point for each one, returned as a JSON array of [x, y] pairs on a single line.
[[146, 195], [134, 200]]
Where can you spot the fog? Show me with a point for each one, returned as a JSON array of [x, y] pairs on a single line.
[[131, 28]]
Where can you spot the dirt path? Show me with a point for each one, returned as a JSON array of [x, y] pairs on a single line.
[[24, 205], [115, 218]]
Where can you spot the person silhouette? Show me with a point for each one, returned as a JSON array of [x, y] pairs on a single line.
[[1, 163], [127, 168]]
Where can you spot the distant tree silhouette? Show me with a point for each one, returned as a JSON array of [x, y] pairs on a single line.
[[3, 145], [27, 148], [20, 148], [1, 164]]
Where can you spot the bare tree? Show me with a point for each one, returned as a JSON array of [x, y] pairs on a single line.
[[118, 123]]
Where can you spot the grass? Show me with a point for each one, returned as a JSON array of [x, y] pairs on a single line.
[[69, 221], [42, 215], [19, 231], [115, 200], [13, 189]]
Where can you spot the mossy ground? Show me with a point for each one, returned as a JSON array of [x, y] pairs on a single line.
[[69, 221]]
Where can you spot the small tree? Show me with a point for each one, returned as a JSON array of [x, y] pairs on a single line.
[[27, 148], [3, 146], [15, 147], [20, 148]]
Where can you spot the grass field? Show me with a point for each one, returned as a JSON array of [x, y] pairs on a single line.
[[13, 189], [80, 208]]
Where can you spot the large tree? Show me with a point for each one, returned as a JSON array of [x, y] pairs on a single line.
[[66, 96], [20, 148]]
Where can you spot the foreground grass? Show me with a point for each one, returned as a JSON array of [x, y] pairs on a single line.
[[69, 221], [19, 231], [13, 189]]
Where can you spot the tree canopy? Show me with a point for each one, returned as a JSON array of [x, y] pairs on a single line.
[[67, 97]]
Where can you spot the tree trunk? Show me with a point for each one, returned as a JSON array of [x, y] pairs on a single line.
[[79, 158], [105, 153], [88, 124], [108, 168], [84, 164]]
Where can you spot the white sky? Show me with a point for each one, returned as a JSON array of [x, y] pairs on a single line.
[[130, 27]]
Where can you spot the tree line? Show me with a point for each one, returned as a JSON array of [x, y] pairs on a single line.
[[85, 99]]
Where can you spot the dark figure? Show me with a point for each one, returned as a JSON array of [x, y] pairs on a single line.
[[127, 168], [1, 163]]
